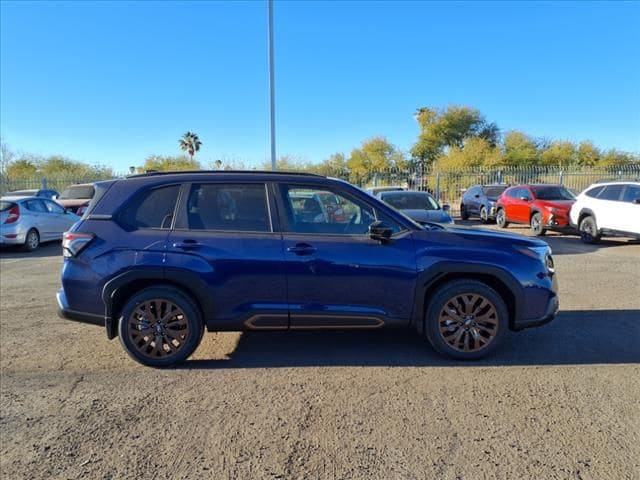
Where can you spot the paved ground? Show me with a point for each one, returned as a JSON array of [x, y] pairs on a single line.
[[559, 402]]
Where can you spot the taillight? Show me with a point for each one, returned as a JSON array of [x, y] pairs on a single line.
[[14, 215], [73, 243]]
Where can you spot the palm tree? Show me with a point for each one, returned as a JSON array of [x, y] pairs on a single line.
[[190, 143]]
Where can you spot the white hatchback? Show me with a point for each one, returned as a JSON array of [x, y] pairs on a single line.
[[606, 209]]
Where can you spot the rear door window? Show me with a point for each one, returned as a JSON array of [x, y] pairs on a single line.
[[151, 209], [35, 206], [611, 192], [631, 193], [226, 207]]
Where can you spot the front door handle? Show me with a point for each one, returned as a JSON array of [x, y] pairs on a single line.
[[302, 249], [187, 244]]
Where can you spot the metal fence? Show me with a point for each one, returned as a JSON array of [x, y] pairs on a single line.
[[448, 187]]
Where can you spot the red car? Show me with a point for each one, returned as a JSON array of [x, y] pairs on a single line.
[[544, 207]]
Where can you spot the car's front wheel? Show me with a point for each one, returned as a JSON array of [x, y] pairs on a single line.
[[589, 230], [484, 215], [537, 227], [501, 218], [466, 320], [160, 327]]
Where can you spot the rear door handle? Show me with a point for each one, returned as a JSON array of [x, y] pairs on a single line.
[[187, 244], [302, 249]]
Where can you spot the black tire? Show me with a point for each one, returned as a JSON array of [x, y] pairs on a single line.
[[501, 218], [464, 215], [31, 241], [589, 230], [179, 335], [484, 215], [436, 320], [537, 227]]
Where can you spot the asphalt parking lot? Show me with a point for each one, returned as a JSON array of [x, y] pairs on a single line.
[[560, 401]]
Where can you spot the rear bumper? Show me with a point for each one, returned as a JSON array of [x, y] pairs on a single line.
[[65, 312], [12, 235]]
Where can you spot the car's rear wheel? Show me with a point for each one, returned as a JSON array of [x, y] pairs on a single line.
[[466, 320], [501, 218], [160, 327], [464, 215], [537, 227], [484, 215], [32, 240], [589, 230]]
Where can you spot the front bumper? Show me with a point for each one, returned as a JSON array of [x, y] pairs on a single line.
[[547, 297], [551, 311]]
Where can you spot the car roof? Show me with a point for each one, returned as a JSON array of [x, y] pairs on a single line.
[[398, 193], [10, 198], [259, 173]]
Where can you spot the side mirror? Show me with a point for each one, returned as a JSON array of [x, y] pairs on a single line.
[[54, 197], [380, 231], [446, 207], [476, 196], [525, 198]]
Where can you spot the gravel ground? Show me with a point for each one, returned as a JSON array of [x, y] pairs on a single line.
[[559, 402]]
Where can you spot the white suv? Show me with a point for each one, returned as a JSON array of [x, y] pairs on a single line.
[[607, 208]]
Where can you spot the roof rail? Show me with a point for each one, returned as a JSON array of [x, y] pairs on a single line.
[[150, 173], [617, 180]]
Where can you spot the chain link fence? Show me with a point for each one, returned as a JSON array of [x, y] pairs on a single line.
[[447, 187]]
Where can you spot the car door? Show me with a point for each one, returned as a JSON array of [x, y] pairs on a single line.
[[609, 212], [629, 219], [521, 205], [225, 232], [39, 218], [337, 275], [474, 200], [59, 219]]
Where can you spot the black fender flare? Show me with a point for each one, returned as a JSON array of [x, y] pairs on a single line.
[[431, 276], [183, 279]]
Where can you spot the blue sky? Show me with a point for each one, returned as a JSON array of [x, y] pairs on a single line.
[[113, 82]]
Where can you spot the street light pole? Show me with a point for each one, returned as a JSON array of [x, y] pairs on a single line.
[[272, 94]]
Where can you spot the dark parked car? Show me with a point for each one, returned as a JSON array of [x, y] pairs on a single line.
[[480, 201], [159, 258], [76, 198], [42, 193], [419, 206], [542, 206]]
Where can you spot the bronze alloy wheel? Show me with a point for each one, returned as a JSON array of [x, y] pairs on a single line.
[[468, 322], [158, 328]]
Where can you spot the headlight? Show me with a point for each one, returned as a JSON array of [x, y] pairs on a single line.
[[541, 253], [553, 209]]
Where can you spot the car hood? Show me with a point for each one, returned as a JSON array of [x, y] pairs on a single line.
[[562, 204], [436, 216], [467, 237]]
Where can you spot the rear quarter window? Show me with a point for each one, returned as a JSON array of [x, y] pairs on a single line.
[[152, 208], [594, 192]]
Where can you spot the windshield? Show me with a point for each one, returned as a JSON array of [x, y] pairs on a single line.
[[411, 201], [553, 193], [80, 192], [494, 191]]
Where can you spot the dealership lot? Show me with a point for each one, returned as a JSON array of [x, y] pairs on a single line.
[[560, 401]]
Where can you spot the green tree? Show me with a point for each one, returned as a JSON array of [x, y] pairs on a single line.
[[21, 168], [476, 152], [334, 166], [190, 143], [588, 154], [167, 163], [375, 155], [560, 153], [520, 149], [616, 158], [451, 127]]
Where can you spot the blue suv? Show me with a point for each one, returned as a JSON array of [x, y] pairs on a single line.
[[160, 257]]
